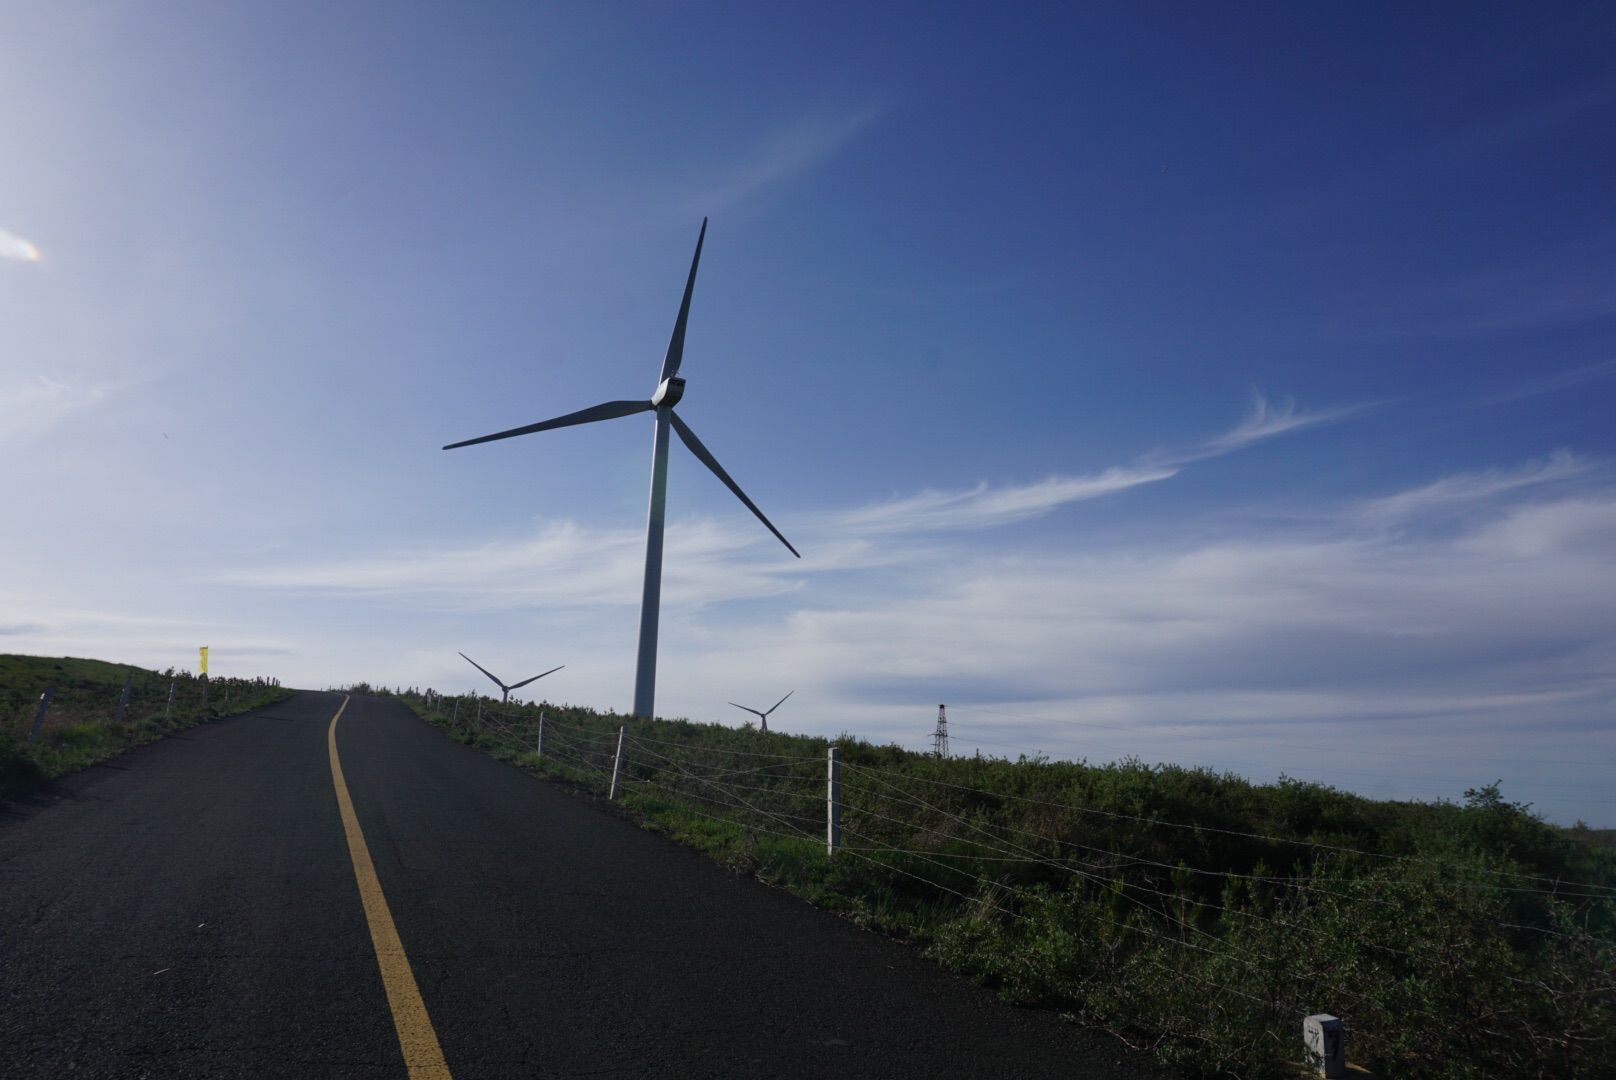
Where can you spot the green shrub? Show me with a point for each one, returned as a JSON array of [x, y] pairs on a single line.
[[1184, 909], [81, 725]]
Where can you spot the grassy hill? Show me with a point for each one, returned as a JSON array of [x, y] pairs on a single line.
[[1185, 909], [81, 726]]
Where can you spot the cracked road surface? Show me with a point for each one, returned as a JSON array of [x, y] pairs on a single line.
[[190, 909]]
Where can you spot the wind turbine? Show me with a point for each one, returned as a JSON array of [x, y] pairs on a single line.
[[670, 388], [763, 716], [514, 686]]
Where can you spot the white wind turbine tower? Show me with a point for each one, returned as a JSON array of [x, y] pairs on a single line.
[[670, 388], [763, 716], [513, 686]]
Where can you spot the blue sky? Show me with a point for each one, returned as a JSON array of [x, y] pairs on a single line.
[[1228, 385]]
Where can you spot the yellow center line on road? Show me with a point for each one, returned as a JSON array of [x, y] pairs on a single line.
[[422, 1055]]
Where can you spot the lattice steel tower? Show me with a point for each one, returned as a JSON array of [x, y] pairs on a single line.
[[939, 738]]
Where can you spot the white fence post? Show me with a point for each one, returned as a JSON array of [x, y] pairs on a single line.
[[538, 746], [455, 720], [39, 713], [123, 700], [617, 762], [168, 710], [833, 801]]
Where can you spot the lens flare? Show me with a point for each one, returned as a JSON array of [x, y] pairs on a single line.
[[15, 247]]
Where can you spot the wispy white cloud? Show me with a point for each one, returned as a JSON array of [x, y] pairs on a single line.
[[1513, 128], [1266, 419], [16, 248], [1511, 605], [1464, 148], [572, 564], [984, 506], [563, 564], [1564, 380], [1566, 529], [155, 640], [1468, 490], [787, 152], [1485, 636], [1497, 632], [32, 407], [1571, 284]]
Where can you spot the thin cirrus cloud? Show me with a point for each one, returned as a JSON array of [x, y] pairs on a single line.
[[788, 152], [984, 506], [564, 564], [1559, 284], [157, 640], [1505, 624], [573, 564], [1468, 491], [1506, 132], [1561, 380], [17, 249], [30, 408], [1374, 649], [1266, 419], [1511, 129]]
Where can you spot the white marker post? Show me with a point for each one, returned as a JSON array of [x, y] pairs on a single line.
[[123, 700], [1326, 1041], [39, 713], [168, 710], [617, 762], [833, 801], [538, 745]]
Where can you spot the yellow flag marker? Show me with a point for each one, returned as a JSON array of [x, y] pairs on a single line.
[[204, 651]]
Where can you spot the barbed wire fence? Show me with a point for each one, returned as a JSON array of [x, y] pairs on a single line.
[[52, 706], [1108, 911]]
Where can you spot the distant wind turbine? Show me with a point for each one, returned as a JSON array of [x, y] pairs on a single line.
[[513, 686], [763, 716], [668, 392]]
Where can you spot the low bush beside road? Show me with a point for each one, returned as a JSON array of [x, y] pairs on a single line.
[[1184, 909], [82, 723]]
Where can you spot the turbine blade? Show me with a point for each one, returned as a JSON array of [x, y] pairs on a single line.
[[711, 462], [536, 678], [782, 701], [676, 346], [484, 670], [743, 708], [609, 410]]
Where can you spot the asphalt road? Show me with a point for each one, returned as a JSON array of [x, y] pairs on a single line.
[[192, 910]]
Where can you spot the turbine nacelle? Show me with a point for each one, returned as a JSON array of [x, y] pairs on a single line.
[[669, 393]]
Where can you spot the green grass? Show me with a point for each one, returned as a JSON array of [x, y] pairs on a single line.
[[1187, 910], [80, 726]]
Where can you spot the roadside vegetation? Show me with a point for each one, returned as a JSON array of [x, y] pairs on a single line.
[[81, 725], [1186, 910]]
